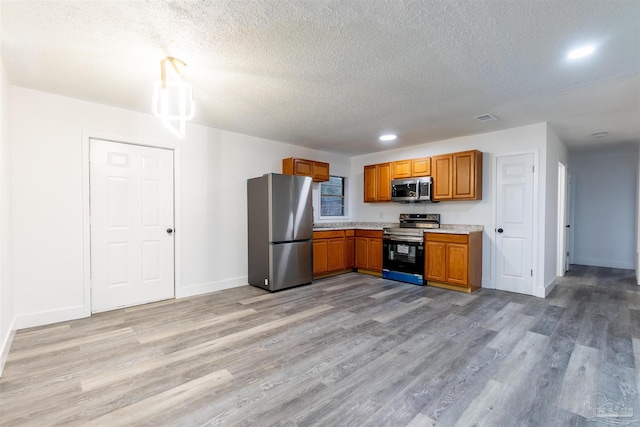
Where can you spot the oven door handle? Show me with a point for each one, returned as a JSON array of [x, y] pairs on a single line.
[[404, 239]]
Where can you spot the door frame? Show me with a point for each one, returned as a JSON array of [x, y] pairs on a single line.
[[563, 217], [86, 209], [535, 228]]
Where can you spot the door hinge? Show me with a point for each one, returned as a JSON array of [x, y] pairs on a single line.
[[532, 273], [533, 169], [567, 253]]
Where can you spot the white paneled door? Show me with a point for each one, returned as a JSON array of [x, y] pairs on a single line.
[[514, 223], [132, 244]]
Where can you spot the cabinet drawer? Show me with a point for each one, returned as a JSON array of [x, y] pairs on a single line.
[[377, 234], [446, 238], [331, 234]]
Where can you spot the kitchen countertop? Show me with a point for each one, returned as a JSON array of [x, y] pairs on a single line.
[[327, 226], [456, 229], [444, 228]]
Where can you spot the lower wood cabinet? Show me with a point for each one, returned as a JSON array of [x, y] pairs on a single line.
[[328, 251], [349, 249], [368, 245], [454, 261], [338, 251]]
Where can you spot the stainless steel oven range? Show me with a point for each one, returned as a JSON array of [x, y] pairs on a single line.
[[403, 248]]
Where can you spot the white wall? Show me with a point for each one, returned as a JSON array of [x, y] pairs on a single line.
[[556, 152], [638, 225], [605, 189], [47, 160], [529, 138], [7, 316]]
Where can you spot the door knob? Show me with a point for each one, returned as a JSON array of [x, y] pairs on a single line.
[[169, 230], [500, 230]]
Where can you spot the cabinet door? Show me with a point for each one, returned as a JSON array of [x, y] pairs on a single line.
[[467, 175], [362, 252], [435, 261], [383, 182], [320, 171], [421, 167], [320, 252], [463, 177], [401, 169], [370, 183], [375, 255], [350, 252], [457, 264], [302, 167], [442, 177], [335, 255]]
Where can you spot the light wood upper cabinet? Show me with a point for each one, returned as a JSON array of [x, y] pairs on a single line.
[[318, 171], [421, 167], [377, 183], [411, 168], [370, 194], [457, 176], [401, 169], [467, 175], [442, 188]]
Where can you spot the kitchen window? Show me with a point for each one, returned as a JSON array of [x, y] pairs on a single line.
[[332, 197]]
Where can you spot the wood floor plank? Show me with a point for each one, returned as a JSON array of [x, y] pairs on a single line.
[[580, 380], [518, 364], [145, 410], [126, 371], [503, 317], [61, 345], [489, 408]]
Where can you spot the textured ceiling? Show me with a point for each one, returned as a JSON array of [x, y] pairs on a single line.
[[333, 75]]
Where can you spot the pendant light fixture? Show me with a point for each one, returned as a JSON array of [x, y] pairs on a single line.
[[173, 97]]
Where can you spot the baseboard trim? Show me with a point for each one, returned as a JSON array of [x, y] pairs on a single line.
[[53, 316], [604, 263], [205, 288], [544, 292], [6, 345]]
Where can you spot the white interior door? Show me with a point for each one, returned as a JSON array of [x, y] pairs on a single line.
[[514, 223], [132, 249]]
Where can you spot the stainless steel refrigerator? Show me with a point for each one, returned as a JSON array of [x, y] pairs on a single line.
[[280, 217]]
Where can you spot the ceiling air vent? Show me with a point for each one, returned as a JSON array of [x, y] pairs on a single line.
[[483, 118]]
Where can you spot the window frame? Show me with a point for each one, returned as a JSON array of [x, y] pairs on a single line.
[[345, 211]]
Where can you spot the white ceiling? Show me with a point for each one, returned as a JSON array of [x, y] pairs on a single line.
[[333, 75]]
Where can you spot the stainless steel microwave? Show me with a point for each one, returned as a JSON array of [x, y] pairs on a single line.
[[411, 190]]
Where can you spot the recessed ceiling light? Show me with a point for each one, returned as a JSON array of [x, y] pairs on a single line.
[[599, 134], [388, 137], [581, 52]]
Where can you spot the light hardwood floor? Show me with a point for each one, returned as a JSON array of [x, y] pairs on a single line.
[[352, 350]]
